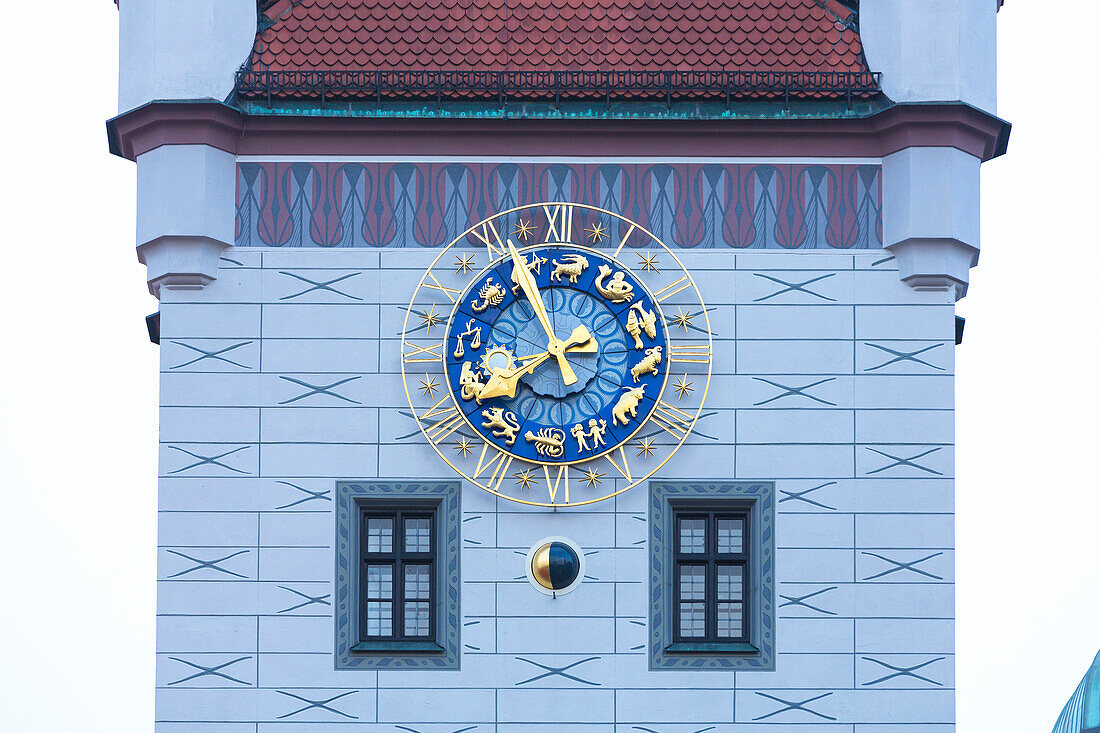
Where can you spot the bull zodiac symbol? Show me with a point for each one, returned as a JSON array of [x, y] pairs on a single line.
[[627, 405]]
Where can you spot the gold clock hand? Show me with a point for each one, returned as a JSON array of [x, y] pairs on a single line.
[[505, 381], [530, 289]]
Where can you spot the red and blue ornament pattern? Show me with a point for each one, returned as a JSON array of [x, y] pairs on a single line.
[[686, 205]]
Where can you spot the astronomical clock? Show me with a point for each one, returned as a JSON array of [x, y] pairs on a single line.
[[556, 354]]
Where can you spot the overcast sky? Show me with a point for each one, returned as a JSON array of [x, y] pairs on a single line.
[[78, 387]]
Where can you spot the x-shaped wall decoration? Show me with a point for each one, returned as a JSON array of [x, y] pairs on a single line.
[[801, 496], [457, 730], [795, 391], [902, 672], [898, 566], [318, 704], [789, 705], [900, 356], [314, 389], [309, 600], [316, 286], [208, 460], [215, 354], [911, 461], [212, 671], [558, 671], [795, 287], [211, 564], [650, 730], [800, 601], [310, 495]]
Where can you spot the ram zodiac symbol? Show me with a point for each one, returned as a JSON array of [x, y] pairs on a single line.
[[649, 363]]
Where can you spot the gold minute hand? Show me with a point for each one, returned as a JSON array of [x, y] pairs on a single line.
[[531, 290]]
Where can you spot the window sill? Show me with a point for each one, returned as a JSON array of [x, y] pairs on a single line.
[[711, 647], [399, 647]]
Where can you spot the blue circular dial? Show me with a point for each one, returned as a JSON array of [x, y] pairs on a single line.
[[506, 335]]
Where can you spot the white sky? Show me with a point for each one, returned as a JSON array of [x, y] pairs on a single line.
[[78, 388]]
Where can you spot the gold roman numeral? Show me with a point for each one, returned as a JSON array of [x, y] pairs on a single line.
[[559, 222], [416, 354], [689, 353], [624, 469], [675, 421], [445, 420], [498, 464], [667, 292], [623, 242], [491, 239], [436, 285], [563, 473]]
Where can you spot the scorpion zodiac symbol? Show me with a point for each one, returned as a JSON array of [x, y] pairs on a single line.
[[490, 294], [549, 442]]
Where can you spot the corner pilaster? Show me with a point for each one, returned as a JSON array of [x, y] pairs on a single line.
[[930, 216], [185, 214]]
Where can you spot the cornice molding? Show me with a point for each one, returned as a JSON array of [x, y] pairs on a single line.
[[221, 126]]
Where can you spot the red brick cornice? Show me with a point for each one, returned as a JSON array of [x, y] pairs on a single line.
[[219, 125]]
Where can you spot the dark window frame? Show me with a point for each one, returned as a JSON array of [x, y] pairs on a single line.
[[711, 559], [397, 559]]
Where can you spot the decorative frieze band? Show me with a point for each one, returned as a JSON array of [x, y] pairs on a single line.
[[686, 205]]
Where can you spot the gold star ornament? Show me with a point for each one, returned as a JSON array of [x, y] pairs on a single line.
[[682, 319], [683, 387], [649, 262], [429, 319], [524, 230], [462, 447], [429, 386], [645, 447], [592, 477], [463, 264], [525, 479], [597, 232]]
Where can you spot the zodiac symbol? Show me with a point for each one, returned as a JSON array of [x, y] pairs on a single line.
[[648, 363], [490, 294], [572, 266], [535, 266], [641, 319], [471, 383], [503, 424], [475, 342], [549, 442], [595, 432], [618, 290], [627, 405]]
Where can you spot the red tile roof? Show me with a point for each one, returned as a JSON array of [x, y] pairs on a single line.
[[791, 36]]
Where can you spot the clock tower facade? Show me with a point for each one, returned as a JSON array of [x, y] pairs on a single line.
[[556, 368]]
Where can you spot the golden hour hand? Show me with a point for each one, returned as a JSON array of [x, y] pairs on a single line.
[[503, 382], [555, 346]]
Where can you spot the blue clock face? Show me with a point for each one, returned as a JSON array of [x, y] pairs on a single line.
[[508, 330]]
